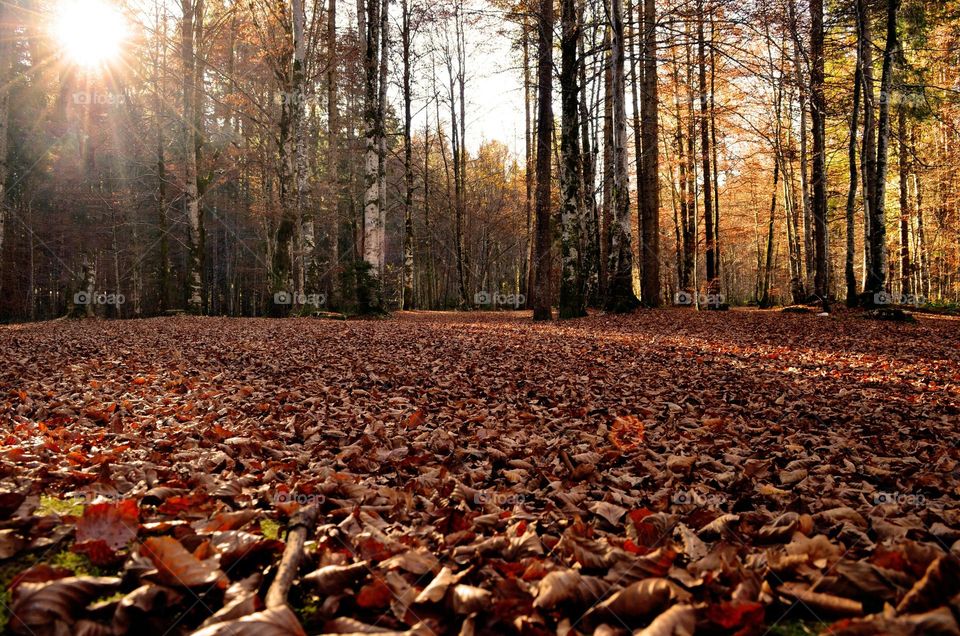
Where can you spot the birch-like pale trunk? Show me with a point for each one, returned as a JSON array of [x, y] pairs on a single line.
[[372, 219], [191, 192], [573, 302], [408, 300], [306, 269], [620, 294]]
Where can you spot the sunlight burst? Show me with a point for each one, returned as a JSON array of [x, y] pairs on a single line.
[[90, 32]]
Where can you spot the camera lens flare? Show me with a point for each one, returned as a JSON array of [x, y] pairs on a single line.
[[90, 33]]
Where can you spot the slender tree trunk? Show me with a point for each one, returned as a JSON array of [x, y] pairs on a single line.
[[573, 301], [528, 169], [923, 278], [818, 112], [620, 294], [808, 225], [608, 169], [408, 297], [590, 234], [906, 271], [650, 162], [382, 116], [868, 154], [849, 265], [457, 149], [305, 263], [713, 148], [333, 151], [6, 60], [543, 254], [191, 192], [765, 300], [636, 79], [693, 234], [370, 286], [876, 279], [163, 267], [705, 148]]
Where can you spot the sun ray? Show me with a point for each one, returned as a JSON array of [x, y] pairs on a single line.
[[90, 33]]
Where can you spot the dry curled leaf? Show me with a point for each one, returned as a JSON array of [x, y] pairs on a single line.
[[179, 568]]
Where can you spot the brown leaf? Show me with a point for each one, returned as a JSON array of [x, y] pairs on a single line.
[[42, 608], [271, 622], [642, 599], [179, 568], [332, 579], [679, 620], [569, 586]]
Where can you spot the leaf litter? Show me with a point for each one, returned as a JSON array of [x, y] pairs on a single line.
[[664, 473]]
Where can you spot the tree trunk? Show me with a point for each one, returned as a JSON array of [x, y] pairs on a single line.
[[191, 191], [683, 240], [849, 271], [543, 254], [573, 302], [906, 271], [369, 284], [818, 113], [333, 152], [705, 148], [808, 248], [408, 297], [868, 153], [590, 234], [6, 60], [620, 294], [876, 278], [650, 164]]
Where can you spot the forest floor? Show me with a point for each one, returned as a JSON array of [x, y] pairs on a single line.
[[739, 472]]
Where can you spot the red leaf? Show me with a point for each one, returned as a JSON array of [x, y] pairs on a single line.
[[116, 525]]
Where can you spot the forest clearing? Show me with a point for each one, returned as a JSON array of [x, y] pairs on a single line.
[[480, 317], [477, 473]]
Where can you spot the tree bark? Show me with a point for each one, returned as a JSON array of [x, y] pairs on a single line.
[[408, 297], [906, 270], [849, 265], [818, 112], [369, 284], [191, 190], [877, 275], [705, 148], [543, 260], [573, 302], [6, 60], [650, 164], [620, 294]]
